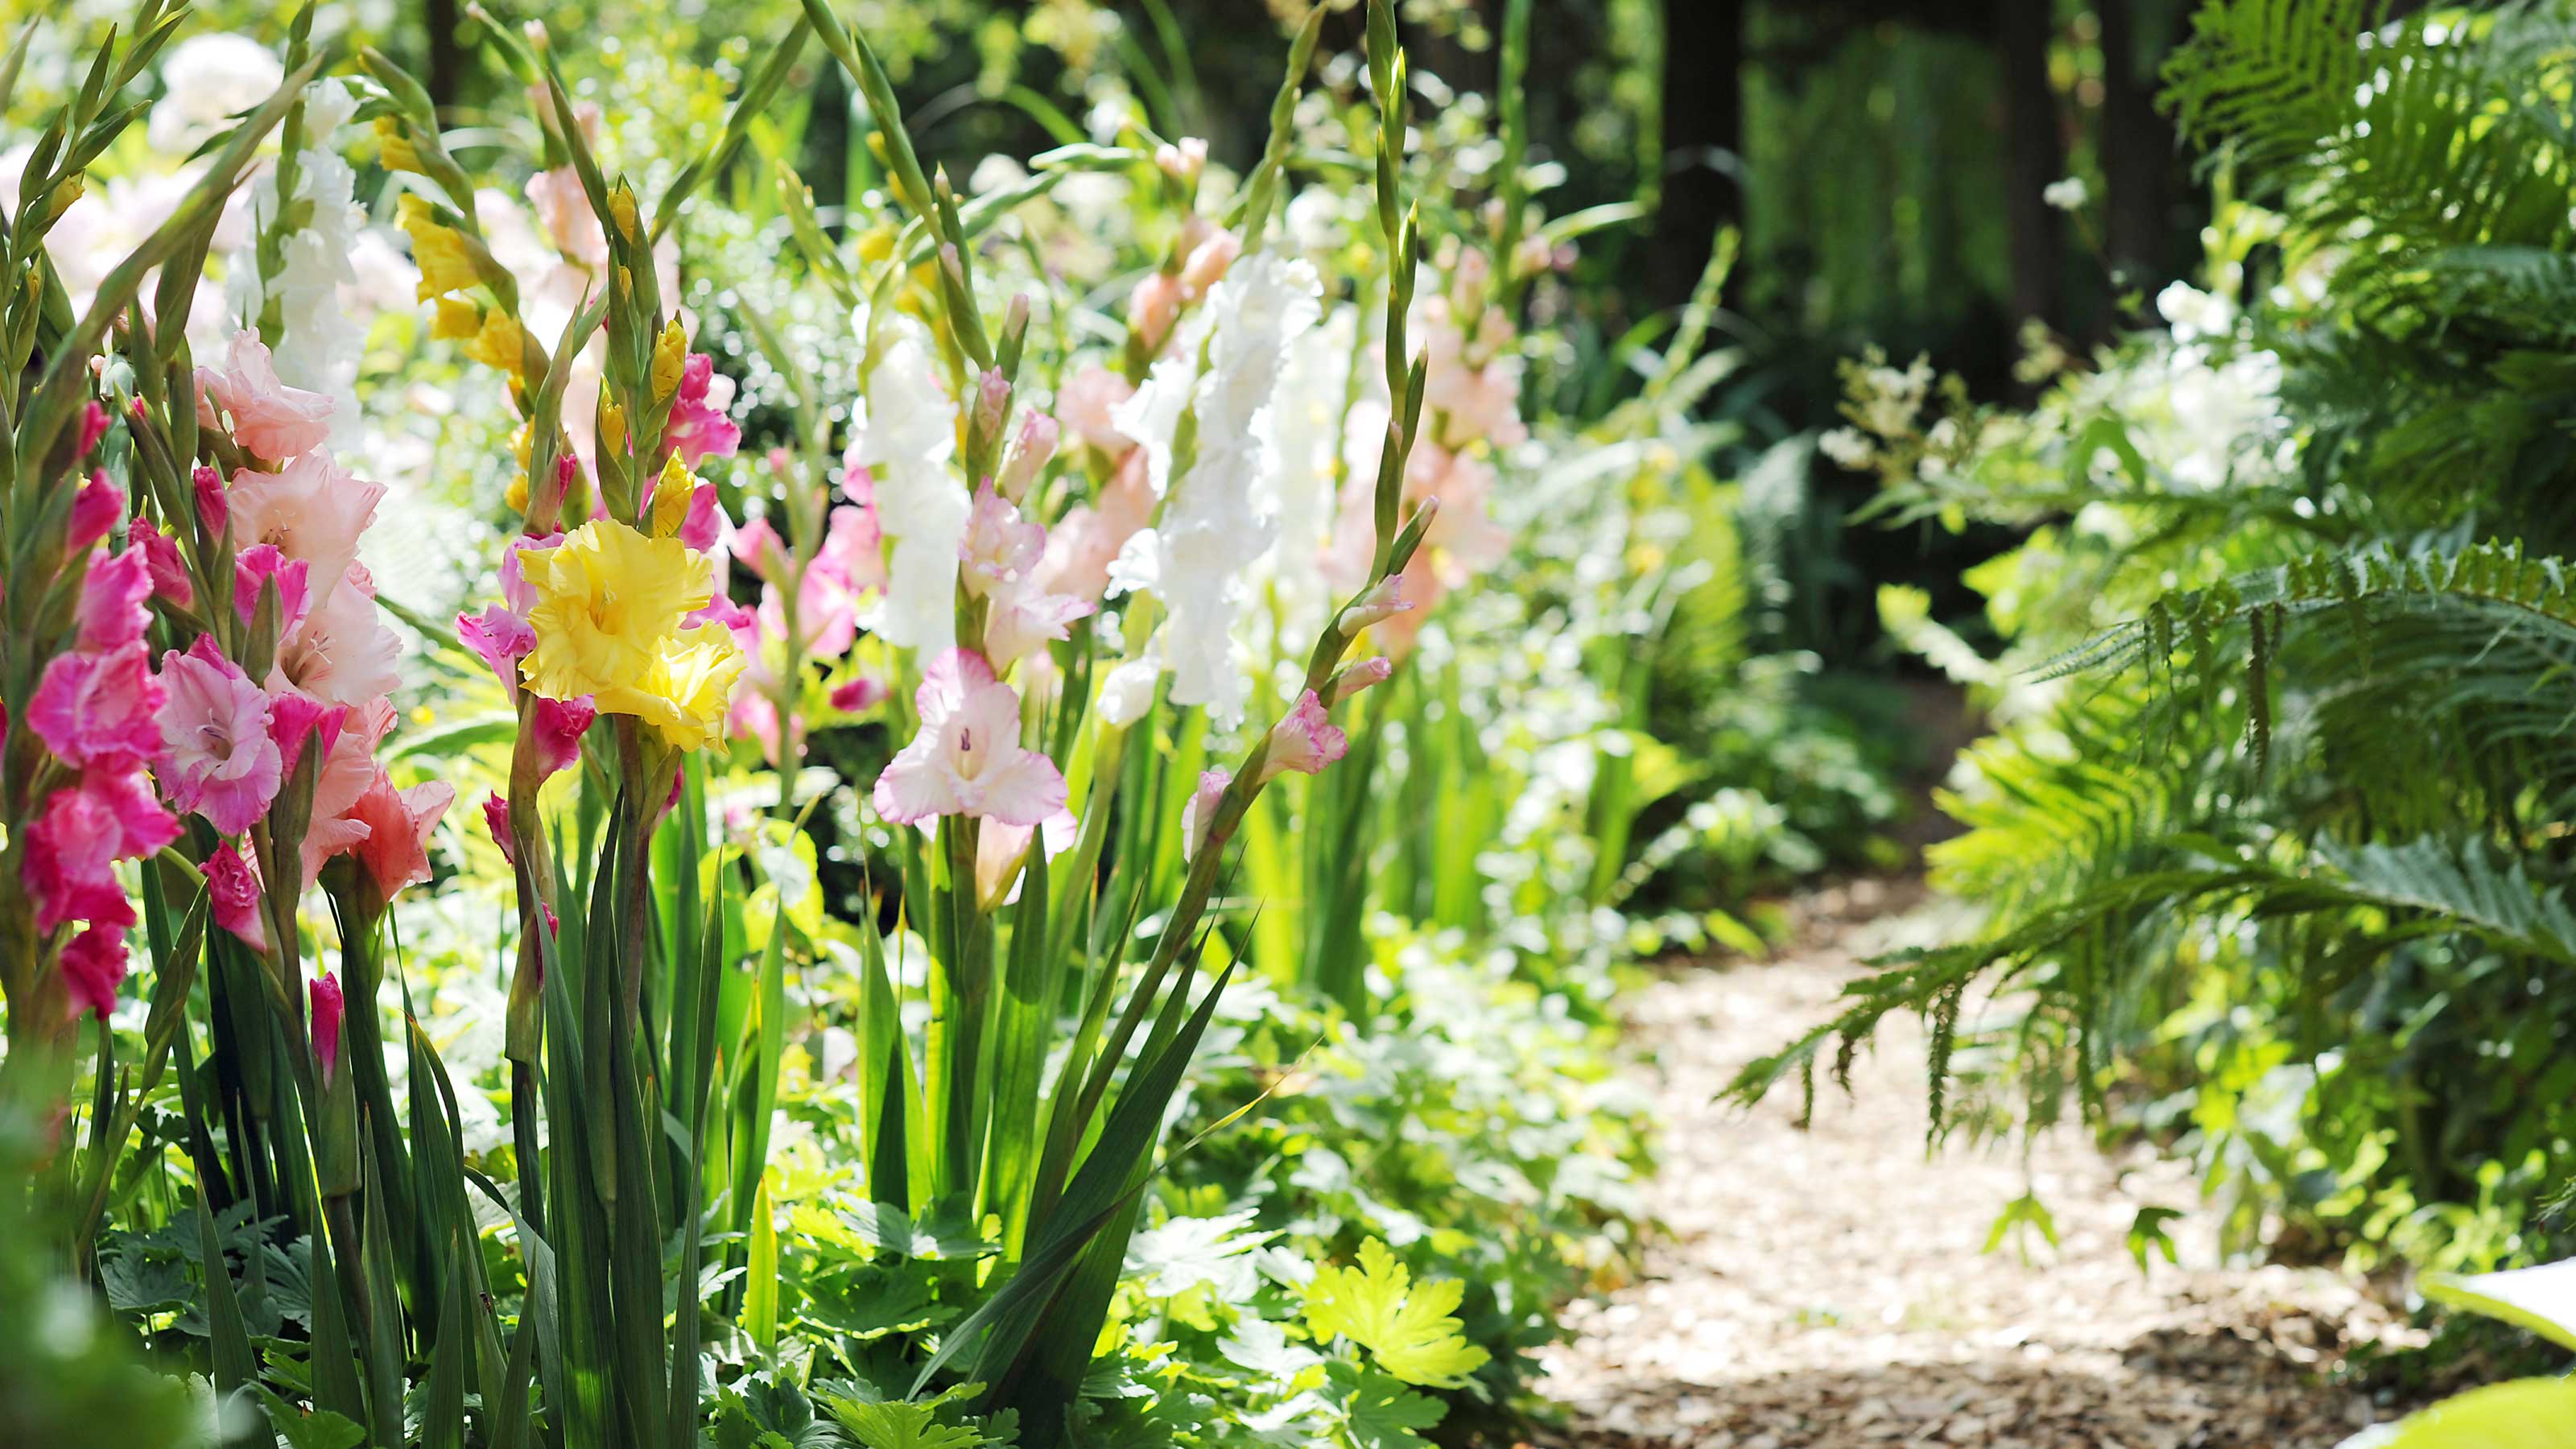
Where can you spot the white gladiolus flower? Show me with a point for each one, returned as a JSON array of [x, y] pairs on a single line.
[[1303, 429], [321, 338], [208, 79], [904, 430], [2067, 195]]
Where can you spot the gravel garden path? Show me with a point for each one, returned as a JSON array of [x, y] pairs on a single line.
[[1826, 1288]]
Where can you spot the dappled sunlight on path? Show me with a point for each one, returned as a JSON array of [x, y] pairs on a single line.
[[1825, 1288]]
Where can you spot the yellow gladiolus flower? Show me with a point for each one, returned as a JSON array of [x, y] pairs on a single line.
[[517, 497], [496, 343], [436, 248], [608, 601], [454, 318], [686, 689], [393, 148], [612, 430], [670, 359], [671, 497]]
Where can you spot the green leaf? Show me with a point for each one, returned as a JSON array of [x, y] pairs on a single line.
[[1379, 1411], [899, 1425], [2147, 1235], [2024, 1211], [947, 1231], [2526, 1414], [320, 1429], [2542, 1300], [1407, 1330]]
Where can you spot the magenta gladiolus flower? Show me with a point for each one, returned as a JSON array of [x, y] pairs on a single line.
[[968, 759], [93, 427], [161, 560], [273, 420], [496, 818], [261, 562], [93, 967], [98, 705], [1305, 741], [233, 896], [699, 428], [328, 1007], [555, 728], [214, 508], [112, 611], [294, 717], [500, 639], [704, 524], [95, 511], [72, 849], [222, 764], [859, 695]]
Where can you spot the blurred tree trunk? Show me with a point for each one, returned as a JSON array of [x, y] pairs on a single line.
[[2138, 144], [2032, 158], [1703, 123], [446, 78]]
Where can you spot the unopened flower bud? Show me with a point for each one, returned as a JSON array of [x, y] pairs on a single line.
[[213, 507], [328, 1008], [1352, 678], [1037, 442], [670, 358], [992, 400], [1378, 605]]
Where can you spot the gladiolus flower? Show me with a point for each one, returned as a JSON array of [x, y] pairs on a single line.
[[342, 653], [704, 524], [1000, 547], [161, 560], [395, 852], [500, 639], [221, 763], [699, 428], [95, 511], [606, 599], [254, 567], [684, 690], [93, 967], [1208, 263], [213, 507], [98, 706], [72, 849], [314, 511], [270, 419], [295, 717], [1037, 443], [1305, 741], [93, 427], [1085, 404], [496, 818], [1024, 621], [673, 492], [555, 728], [1153, 306], [968, 759], [112, 611], [1201, 811], [348, 772], [670, 357], [1001, 849], [233, 895], [436, 248], [328, 1007], [1379, 604], [859, 695], [1352, 678]]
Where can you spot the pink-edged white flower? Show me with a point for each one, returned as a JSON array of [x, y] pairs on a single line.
[[314, 511], [1382, 602], [1201, 811], [343, 653], [98, 705], [1000, 851], [1305, 740], [1035, 445], [1001, 548], [234, 896], [1024, 621], [968, 759], [220, 761], [272, 420], [1350, 679]]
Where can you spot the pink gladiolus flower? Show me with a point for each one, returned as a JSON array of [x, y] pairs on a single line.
[[968, 760], [704, 524], [112, 611], [1305, 741], [1085, 404], [1350, 679], [1001, 849], [699, 428], [294, 717], [93, 427], [759, 547], [93, 967], [555, 728], [221, 762], [1082, 546], [1201, 811], [1037, 443], [328, 1007], [515, 589], [161, 560], [72, 849], [348, 772], [1209, 262], [1023, 621], [95, 511], [1379, 604], [234, 897], [343, 654], [254, 567], [496, 818], [98, 706], [214, 506], [500, 639], [396, 850], [1153, 307], [1000, 548], [313, 511], [859, 695], [272, 420]]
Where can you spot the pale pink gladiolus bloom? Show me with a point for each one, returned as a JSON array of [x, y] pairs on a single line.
[[98, 705], [1001, 849], [313, 511], [1086, 402], [1036, 443], [272, 420], [968, 759], [1081, 548], [1023, 621], [1209, 262], [1382, 602], [563, 209], [1000, 548], [1153, 307], [1201, 811], [1352, 678], [221, 762], [93, 967], [343, 654], [112, 610], [234, 896], [1305, 741], [328, 1007]]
